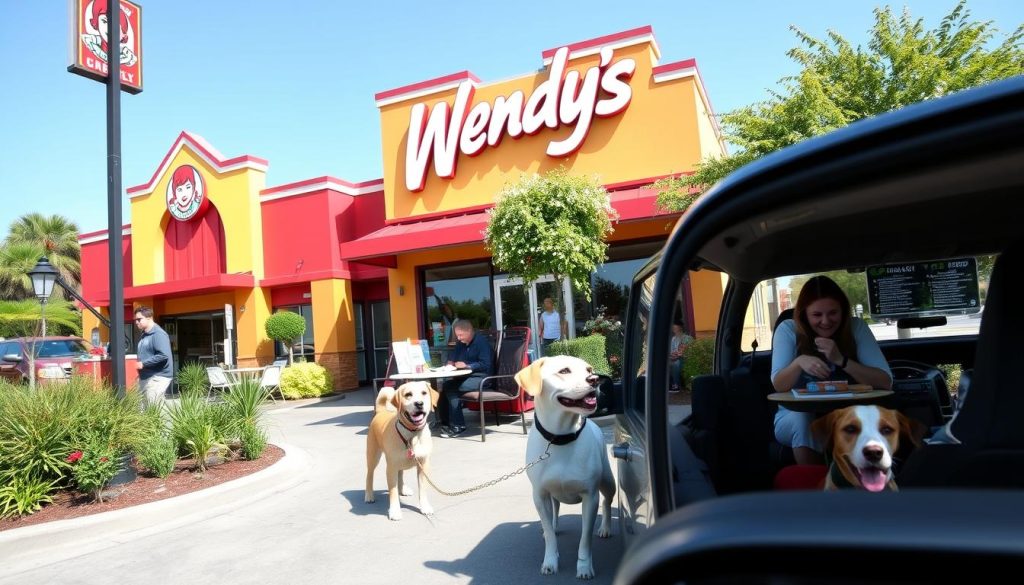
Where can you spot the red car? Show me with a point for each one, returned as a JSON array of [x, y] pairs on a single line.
[[53, 356]]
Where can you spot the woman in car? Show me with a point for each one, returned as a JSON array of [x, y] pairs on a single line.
[[822, 342]]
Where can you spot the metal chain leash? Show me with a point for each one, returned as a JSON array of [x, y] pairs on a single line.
[[487, 484]]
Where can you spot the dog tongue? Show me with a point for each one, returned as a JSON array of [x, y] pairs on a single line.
[[873, 479]]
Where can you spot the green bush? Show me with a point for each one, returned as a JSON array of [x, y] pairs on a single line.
[[192, 377], [286, 327], [158, 454], [698, 359], [25, 496], [94, 465], [254, 441], [198, 427], [589, 349], [307, 380]]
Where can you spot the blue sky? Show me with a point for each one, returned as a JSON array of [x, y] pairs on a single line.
[[294, 82]]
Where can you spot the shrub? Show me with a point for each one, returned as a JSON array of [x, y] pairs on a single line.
[[589, 349], [198, 427], [698, 359], [254, 441], [25, 496], [245, 401], [286, 327], [192, 377], [307, 380], [157, 454], [94, 465]]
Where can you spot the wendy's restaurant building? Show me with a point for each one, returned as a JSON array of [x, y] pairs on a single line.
[[215, 252]]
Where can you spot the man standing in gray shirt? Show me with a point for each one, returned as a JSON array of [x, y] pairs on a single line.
[[155, 364]]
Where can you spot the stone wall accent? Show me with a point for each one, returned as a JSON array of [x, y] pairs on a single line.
[[343, 367]]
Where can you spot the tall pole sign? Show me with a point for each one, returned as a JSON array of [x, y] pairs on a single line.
[[97, 34]]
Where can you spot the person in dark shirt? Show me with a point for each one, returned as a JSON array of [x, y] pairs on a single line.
[[155, 364], [472, 352]]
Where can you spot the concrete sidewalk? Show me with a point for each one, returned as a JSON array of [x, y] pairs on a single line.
[[304, 519]]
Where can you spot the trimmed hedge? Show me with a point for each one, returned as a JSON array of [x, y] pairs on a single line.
[[589, 349], [305, 380]]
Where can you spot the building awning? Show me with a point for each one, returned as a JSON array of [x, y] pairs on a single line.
[[381, 246], [191, 286]]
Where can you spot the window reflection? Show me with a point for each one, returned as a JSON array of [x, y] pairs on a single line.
[[461, 291]]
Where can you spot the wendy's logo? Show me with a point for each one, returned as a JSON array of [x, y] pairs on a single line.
[[95, 37], [186, 193]]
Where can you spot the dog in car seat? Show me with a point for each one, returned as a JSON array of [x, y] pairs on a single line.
[[859, 443]]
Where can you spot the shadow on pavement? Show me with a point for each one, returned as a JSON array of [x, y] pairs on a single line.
[[512, 553]]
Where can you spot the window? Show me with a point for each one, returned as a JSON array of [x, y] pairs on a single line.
[[61, 348], [773, 296], [636, 350], [461, 291]]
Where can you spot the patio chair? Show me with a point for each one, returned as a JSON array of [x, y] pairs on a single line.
[[502, 386], [280, 362], [271, 381], [218, 379]]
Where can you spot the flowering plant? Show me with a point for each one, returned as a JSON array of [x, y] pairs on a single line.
[[601, 324], [93, 467]]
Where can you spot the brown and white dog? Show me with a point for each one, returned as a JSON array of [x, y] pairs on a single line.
[[862, 441], [399, 431], [577, 471]]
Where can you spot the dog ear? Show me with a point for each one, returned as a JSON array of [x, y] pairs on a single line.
[[821, 429], [434, 396], [396, 400], [529, 378], [911, 428]]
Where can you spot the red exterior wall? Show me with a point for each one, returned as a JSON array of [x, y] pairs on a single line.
[[96, 268], [300, 234], [194, 248], [290, 295]]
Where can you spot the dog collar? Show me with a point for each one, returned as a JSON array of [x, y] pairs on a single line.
[[558, 439], [838, 479]]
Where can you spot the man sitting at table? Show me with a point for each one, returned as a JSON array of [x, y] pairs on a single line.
[[472, 352]]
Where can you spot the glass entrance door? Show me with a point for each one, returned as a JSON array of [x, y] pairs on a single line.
[[519, 306], [380, 316]]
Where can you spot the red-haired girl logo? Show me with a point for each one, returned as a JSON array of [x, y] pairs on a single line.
[[95, 37], [186, 193]]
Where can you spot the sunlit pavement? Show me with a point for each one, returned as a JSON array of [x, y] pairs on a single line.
[[317, 529]]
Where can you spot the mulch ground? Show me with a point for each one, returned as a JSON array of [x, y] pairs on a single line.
[[183, 480]]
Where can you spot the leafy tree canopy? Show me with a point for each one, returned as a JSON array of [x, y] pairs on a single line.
[[285, 326], [22, 318], [838, 83], [554, 223]]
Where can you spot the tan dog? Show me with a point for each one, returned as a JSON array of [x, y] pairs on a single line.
[[862, 441], [399, 431], [577, 471]]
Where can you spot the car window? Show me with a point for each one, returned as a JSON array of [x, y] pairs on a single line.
[[60, 348], [9, 348], [636, 348], [772, 297]]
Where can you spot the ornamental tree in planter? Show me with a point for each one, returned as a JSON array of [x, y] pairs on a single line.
[[286, 327], [554, 223]]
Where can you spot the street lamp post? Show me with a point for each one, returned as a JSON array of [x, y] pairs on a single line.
[[44, 276]]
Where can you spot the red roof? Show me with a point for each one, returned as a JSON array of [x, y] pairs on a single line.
[[200, 284]]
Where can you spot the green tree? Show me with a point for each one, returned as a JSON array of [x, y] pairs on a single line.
[[16, 259], [554, 223], [57, 237], [286, 327], [838, 84], [21, 318]]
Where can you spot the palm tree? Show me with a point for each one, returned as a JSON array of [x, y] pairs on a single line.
[[15, 262], [57, 236]]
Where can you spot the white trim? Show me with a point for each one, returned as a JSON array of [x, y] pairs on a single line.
[[677, 74], [102, 237], [197, 144], [627, 42], [413, 94], [320, 186]]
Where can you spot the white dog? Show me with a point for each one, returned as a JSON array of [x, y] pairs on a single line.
[[399, 431], [564, 393]]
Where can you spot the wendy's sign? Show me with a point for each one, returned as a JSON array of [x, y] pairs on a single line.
[[186, 194], [571, 99], [87, 48]]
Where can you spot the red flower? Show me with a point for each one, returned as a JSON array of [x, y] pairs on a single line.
[[72, 458], [103, 460]]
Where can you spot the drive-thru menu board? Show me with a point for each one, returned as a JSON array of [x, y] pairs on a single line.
[[925, 288]]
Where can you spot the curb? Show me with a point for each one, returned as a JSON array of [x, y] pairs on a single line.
[[20, 548]]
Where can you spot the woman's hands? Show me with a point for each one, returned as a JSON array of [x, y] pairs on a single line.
[[829, 349], [813, 366]]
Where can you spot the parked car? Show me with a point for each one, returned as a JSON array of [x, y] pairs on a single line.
[[53, 355], [937, 180]]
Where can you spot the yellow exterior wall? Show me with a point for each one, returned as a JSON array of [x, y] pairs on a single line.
[[708, 288], [662, 117], [235, 195], [250, 330], [333, 316], [89, 321]]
